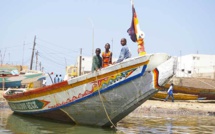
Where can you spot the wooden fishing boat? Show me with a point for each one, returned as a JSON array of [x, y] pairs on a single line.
[[204, 88], [12, 78], [177, 96], [100, 98]]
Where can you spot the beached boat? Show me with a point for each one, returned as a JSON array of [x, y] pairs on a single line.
[[203, 88], [100, 98], [12, 78], [177, 96]]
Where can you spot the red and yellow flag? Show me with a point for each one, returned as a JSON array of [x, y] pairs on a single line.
[[135, 33]]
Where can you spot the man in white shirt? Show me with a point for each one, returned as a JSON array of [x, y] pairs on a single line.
[[170, 93]]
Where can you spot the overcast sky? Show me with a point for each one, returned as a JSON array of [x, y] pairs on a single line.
[[62, 27]]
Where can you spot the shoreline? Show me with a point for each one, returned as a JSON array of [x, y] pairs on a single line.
[[205, 108], [175, 108]]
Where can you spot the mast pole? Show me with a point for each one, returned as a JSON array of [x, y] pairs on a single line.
[[132, 2], [36, 60], [80, 60], [40, 65], [32, 56]]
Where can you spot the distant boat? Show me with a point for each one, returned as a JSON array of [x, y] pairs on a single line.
[[195, 86], [11, 78], [177, 96], [100, 98]]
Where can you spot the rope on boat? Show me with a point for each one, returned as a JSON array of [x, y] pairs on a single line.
[[66, 112], [104, 105], [69, 116]]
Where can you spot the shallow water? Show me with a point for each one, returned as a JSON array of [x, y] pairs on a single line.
[[15, 124], [168, 124]]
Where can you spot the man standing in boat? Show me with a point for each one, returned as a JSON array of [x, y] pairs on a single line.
[[97, 60], [125, 53], [170, 93], [107, 56]]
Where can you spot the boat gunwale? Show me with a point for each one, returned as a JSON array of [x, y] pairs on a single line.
[[84, 81]]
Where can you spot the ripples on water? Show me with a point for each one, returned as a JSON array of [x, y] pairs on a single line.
[[168, 124], [16, 124]]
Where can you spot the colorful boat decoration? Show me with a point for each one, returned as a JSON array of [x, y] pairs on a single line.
[[11, 78], [100, 98], [177, 96]]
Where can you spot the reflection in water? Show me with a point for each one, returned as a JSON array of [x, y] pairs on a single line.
[[28, 125], [168, 124], [16, 124]]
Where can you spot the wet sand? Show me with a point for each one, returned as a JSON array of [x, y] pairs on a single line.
[[161, 107], [176, 108]]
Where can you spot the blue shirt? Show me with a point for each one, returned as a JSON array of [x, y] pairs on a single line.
[[170, 90], [124, 54]]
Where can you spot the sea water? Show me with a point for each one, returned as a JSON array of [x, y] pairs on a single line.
[[155, 123]]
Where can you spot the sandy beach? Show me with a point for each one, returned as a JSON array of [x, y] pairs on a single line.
[[175, 108], [161, 107]]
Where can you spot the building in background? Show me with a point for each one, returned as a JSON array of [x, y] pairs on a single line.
[[73, 70], [196, 65]]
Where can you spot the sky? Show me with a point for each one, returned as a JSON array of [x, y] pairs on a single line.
[[63, 27]]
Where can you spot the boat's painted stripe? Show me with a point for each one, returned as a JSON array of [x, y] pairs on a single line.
[[11, 84], [156, 75], [38, 92], [90, 95], [63, 86]]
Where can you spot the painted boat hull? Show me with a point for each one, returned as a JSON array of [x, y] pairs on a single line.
[[177, 96], [12, 84], [96, 98]]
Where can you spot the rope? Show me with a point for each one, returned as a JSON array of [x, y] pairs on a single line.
[[69, 115], [66, 112], [104, 105]]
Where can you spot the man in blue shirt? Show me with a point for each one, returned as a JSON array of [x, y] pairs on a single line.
[[125, 53]]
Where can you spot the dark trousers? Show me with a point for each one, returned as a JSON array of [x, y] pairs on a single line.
[[169, 96]]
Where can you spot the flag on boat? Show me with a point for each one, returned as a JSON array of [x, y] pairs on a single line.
[[135, 33]]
